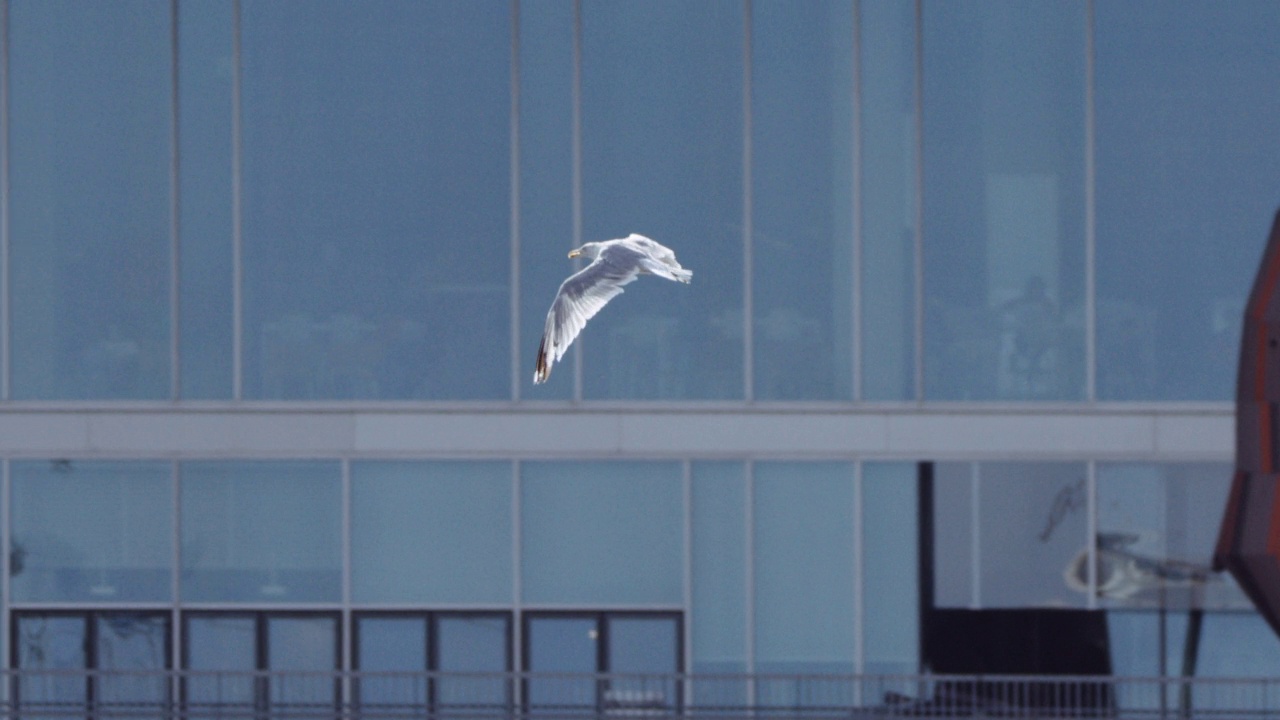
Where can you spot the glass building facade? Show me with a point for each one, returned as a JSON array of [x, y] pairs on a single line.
[[969, 279]]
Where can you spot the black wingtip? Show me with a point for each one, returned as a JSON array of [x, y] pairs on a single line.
[[541, 370]]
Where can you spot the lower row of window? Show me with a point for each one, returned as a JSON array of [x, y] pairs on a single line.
[[225, 656]]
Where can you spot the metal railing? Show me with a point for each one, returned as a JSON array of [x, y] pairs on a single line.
[[173, 695]]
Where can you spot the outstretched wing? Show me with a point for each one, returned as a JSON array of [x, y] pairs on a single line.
[[580, 297], [659, 259]]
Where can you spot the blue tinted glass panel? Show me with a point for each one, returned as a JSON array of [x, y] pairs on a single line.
[[546, 180], [92, 531], [1134, 638], [719, 567], [302, 643], [1237, 644], [602, 532], [890, 586], [887, 32], [561, 645], [1136, 641], [662, 119], [473, 644], [431, 532], [261, 532], [376, 200], [644, 645], [647, 646], [804, 539], [205, 68], [1186, 136], [89, 157], [802, 194], [221, 643], [391, 644], [307, 644], [1004, 118]]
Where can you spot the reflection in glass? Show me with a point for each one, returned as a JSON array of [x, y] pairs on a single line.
[[1157, 526], [131, 642], [1028, 557], [602, 532], [802, 199], [67, 641], [92, 531], [887, 31], [51, 642], [1004, 200], [263, 532], [1042, 529], [431, 532], [669, 167], [377, 179], [890, 587], [1186, 189], [89, 110], [804, 539]]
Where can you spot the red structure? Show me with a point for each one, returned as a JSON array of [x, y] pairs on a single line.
[[1249, 541]]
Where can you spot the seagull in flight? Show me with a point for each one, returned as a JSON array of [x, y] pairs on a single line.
[[614, 263]]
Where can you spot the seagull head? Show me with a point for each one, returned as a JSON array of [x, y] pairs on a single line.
[[589, 251]]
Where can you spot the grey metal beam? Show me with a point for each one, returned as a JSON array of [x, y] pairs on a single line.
[[822, 431]]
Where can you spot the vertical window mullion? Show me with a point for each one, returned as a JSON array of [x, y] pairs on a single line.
[[175, 246], [748, 299]]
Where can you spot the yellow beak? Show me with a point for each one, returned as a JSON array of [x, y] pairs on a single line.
[[575, 253]]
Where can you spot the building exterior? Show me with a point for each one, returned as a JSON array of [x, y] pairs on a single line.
[[962, 333]]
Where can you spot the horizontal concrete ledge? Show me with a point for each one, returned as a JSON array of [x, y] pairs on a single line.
[[519, 431]]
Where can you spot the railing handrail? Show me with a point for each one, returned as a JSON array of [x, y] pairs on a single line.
[[267, 694], [712, 676]]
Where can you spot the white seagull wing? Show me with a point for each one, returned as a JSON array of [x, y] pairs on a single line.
[[581, 296], [659, 259]]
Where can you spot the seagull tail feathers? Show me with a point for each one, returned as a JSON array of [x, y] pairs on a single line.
[[683, 275]]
